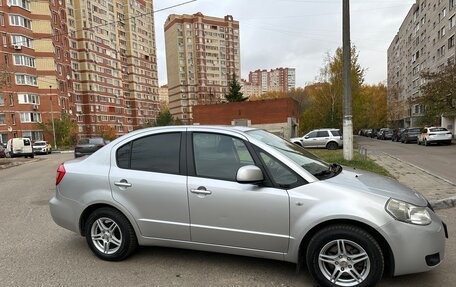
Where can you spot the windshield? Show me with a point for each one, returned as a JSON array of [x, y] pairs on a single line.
[[39, 143], [303, 158]]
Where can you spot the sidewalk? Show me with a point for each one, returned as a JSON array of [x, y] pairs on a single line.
[[440, 192]]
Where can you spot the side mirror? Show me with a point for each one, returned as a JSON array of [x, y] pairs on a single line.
[[306, 137], [249, 174]]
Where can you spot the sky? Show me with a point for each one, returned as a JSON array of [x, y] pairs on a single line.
[[298, 34]]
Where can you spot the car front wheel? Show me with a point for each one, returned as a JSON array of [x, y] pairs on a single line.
[[344, 255], [110, 235]]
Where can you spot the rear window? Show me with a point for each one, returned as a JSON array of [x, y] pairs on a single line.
[[91, 141], [438, 130], [336, 133]]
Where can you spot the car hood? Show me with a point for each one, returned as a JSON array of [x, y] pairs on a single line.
[[365, 181]]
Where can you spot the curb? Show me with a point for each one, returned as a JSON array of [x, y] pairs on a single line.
[[12, 164], [63, 151], [438, 203]]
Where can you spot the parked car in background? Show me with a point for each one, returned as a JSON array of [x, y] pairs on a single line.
[[320, 138], [396, 136], [42, 147], [2, 151], [374, 133], [368, 133], [17, 147], [385, 134], [410, 135], [88, 146], [436, 135], [244, 191]]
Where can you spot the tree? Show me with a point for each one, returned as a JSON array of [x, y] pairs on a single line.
[[438, 94], [325, 98], [234, 93], [166, 119], [65, 130], [268, 96], [108, 133]]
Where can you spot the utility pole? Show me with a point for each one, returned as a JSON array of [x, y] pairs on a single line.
[[52, 116], [348, 121]]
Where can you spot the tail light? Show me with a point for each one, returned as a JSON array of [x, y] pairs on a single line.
[[60, 173]]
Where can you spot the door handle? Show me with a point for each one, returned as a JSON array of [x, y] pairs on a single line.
[[201, 190], [122, 183]]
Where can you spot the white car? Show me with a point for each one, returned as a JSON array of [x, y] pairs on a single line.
[[321, 138], [42, 147], [434, 135]]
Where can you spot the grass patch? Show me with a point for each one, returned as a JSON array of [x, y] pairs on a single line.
[[337, 156]]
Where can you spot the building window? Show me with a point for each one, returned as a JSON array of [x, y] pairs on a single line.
[[20, 3], [23, 60], [452, 21], [451, 42], [2, 119], [28, 99], [20, 40], [23, 79], [30, 118], [18, 20], [2, 19], [2, 100]]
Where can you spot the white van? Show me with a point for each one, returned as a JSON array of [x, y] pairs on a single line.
[[19, 147]]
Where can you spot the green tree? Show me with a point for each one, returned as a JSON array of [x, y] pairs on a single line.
[[166, 119], [234, 93], [65, 130], [438, 94]]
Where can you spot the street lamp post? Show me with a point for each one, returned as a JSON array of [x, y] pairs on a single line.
[[347, 121], [52, 117]]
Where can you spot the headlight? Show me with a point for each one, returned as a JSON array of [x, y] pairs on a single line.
[[407, 212]]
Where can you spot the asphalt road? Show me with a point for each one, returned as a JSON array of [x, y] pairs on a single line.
[[437, 159], [37, 252]]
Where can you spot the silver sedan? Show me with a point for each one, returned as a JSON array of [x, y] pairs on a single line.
[[245, 191]]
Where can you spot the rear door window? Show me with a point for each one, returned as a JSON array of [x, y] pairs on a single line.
[[154, 153], [322, 134]]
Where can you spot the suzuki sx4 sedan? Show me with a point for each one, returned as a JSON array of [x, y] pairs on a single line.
[[245, 191]]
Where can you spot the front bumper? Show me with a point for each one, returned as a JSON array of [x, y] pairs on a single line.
[[416, 248]]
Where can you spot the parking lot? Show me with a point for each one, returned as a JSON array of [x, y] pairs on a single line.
[[37, 252]]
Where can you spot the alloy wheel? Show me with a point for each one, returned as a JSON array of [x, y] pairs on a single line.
[[106, 235]]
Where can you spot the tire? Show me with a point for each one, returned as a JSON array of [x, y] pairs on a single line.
[[32, 156], [118, 239], [332, 146], [355, 241]]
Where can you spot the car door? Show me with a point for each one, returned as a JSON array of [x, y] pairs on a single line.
[[310, 140], [148, 178], [322, 138], [225, 212]]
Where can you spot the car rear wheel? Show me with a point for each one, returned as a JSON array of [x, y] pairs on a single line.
[[344, 255], [110, 235], [332, 146]]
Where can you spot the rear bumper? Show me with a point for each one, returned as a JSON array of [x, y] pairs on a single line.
[[63, 212]]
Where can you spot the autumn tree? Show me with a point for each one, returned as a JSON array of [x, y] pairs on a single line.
[[234, 92], [268, 96], [108, 133], [325, 100], [438, 94], [65, 130]]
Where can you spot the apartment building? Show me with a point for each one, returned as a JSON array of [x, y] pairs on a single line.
[[113, 57], [202, 55], [34, 67], [248, 89], [425, 42], [275, 80], [94, 60]]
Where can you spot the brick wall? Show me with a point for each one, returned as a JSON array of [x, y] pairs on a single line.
[[258, 112]]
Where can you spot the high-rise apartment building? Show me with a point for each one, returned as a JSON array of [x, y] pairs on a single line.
[[425, 42], [96, 61], [202, 55], [34, 66], [113, 56], [276, 80]]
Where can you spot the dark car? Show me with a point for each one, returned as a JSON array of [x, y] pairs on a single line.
[[410, 135], [2, 151], [88, 146], [385, 134], [397, 134], [374, 133]]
